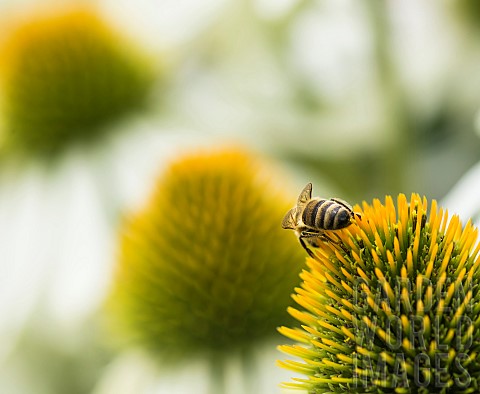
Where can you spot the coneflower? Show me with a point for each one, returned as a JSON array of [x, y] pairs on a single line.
[[65, 74], [393, 307], [195, 274]]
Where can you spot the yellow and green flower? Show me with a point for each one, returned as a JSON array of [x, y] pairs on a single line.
[[64, 75], [393, 307], [204, 267]]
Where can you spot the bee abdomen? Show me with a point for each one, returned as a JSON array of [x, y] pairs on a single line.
[[326, 215]]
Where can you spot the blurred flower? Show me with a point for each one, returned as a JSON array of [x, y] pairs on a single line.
[[64, 75], [196, 272], [393, 306]]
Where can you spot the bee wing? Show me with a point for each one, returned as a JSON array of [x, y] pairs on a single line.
[[289, 220], [343, 203], [305, 195]]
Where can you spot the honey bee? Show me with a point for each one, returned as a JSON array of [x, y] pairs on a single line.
[[312, 216]]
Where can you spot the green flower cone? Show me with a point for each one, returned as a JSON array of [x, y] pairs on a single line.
[[64, 76], [393, 307], [204, 267]]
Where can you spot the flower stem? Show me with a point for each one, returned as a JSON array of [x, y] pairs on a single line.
[[217, 374], [249, 371], [395, 107]]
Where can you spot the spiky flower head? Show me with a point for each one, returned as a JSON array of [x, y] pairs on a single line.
[[195, 272], [393, 307], [64, 74]]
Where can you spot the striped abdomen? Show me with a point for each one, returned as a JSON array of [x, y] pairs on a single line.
[[326, 215]]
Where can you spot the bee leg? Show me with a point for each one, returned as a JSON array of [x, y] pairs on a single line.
[[305, 234], [309, 251], [326, 238], [338, 242]]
